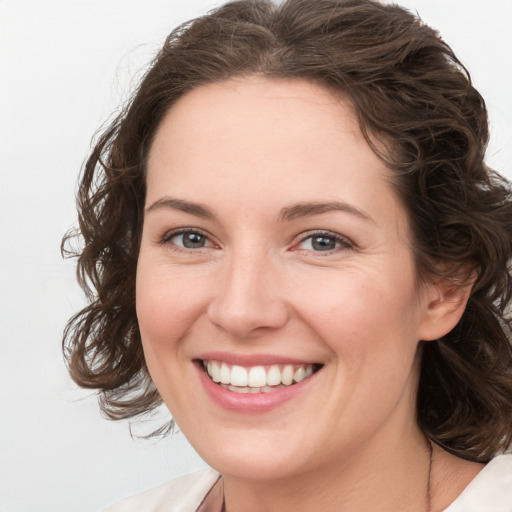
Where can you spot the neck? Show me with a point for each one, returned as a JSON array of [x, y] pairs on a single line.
[[383, 476]]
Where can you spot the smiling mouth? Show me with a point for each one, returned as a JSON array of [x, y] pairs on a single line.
[[257, 379]]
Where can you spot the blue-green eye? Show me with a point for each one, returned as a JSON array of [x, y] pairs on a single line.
[[188, 239], [324, 242]]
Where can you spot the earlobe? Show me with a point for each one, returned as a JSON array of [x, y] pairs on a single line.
[[445, 303]]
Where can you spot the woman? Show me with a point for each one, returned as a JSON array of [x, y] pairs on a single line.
[[294, 242]]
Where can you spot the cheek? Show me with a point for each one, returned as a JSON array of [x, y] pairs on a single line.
[[364, 316], [165, 308]]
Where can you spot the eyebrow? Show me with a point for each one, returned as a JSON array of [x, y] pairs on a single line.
[[180, 204], [309, 209], [291, 212]]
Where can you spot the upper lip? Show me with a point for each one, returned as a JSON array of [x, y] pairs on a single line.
[[252, 359]]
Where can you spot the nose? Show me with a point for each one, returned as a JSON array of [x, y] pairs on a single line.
[[249, 300]]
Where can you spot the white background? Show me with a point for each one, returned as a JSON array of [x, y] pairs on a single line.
[[65, 66]]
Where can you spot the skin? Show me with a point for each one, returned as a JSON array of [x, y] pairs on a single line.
[[245, 150]]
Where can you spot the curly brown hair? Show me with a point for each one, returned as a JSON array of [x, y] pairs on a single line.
[[413, 97]]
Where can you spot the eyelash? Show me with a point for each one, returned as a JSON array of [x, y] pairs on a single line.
[[166, 239], [344, 243]]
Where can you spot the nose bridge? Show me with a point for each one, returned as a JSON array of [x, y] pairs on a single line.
[[248, 298]]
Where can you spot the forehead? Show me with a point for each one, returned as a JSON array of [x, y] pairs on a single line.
[[254, 115], [281, 140]]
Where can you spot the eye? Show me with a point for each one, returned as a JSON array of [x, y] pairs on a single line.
[[187, 239], [323, 241]]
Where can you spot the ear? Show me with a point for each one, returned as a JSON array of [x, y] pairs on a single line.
[[445, 300]]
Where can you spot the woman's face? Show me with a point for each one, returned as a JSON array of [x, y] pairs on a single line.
[[274, 248]]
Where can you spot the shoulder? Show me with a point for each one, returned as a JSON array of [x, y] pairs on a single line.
[[183, 494], [489, 491]]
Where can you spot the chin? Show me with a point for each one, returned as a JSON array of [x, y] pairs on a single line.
[[262, 456]]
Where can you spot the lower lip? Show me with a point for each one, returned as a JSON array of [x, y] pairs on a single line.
[[250, 403]]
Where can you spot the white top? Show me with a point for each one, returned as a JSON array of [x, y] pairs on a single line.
[[489, 491], [183, 494]]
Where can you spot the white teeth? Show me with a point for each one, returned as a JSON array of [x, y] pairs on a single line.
[[214, 371], [247, 389], [225, 374], [299, 374], [239, 389], [238, 376], [287, 375], [274, 376], [256, 379]]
